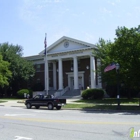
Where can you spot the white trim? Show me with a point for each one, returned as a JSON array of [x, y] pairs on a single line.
[[70, 39], [60, 74], [79, 72], [92, 72], [71, 74], [54, 75], [75, 73]]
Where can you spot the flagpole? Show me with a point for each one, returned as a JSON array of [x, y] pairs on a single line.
[[46, 66]]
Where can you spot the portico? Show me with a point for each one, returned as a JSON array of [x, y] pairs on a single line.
[[73, 65]]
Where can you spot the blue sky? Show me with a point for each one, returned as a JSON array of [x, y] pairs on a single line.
[[25, 22]]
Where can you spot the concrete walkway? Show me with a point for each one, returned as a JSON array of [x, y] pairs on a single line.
[[20, 103]]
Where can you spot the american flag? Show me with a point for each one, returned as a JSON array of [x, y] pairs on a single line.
[[110, 67], [45, 44]]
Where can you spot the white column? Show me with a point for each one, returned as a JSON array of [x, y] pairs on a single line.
[[92, 72], [46, 76], [75, 73], [54, 75], [99, 76], [60, 74]]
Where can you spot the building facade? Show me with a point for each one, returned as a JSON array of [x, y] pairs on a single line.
[[69, 63]]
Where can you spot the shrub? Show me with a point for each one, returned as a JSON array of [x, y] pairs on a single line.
[[93, 94], [21, 92]]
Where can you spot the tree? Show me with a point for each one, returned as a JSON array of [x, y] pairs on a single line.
[[103, 53], [125, 50], [5, 73], [21, 68]]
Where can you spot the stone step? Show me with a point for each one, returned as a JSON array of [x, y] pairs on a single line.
[[75, 92]]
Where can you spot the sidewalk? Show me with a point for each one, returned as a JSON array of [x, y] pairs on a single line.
[[20, 103]]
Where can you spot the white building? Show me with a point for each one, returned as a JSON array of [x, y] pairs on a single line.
[[69, 65]]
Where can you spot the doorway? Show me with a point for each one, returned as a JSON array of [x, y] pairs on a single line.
[[80, 80]]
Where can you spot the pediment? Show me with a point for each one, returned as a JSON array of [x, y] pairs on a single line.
[[65, 44]]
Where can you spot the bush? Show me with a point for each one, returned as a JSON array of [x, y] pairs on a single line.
[[21, 92], [93, 94]]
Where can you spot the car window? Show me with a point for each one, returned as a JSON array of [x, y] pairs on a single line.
[[37, 97]]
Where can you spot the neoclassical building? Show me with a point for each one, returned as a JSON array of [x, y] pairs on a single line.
[[68, 65]]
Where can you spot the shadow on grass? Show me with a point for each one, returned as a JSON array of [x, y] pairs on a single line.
[[95, 108], [111, 101], [110, 109]]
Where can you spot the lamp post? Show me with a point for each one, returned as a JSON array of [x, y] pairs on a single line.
[[118, 90]]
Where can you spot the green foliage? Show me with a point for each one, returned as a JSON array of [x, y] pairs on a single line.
[[125, 50], [93, 94], [21, 68], [21, 92], [5, 73]]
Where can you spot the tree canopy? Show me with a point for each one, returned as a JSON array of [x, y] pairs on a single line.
[[5, 73], [125, 50], [21, 68]]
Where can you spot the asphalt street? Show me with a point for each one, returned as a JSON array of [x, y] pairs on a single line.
[[18, 123]]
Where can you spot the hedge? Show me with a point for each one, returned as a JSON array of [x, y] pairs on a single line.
[[21, 92], [93, 94]]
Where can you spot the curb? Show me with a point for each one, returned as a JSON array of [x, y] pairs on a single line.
[[97, 110]]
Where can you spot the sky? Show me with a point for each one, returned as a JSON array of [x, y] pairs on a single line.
[[25, 22]]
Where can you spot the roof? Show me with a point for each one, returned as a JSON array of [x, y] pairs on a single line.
[[70, 39]]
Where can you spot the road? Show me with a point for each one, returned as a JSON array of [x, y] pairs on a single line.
[[32, 124]]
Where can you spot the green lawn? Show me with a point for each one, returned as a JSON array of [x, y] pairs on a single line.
[[2, 101], [111, 101], [101, 107], [105, 104]]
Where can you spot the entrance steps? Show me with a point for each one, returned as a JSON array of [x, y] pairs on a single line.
[[71, 94], [75, 92]]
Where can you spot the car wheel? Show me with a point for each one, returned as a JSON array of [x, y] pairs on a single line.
[[37, 107], [50, 106], [58, 107], [28, 106]]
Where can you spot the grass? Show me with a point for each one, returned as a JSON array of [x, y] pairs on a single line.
[[6, 99], [2, 101], [106, 104], [111, 101], [101, 107]]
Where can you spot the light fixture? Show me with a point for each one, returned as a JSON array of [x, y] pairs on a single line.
[[71, 68], [87, 67], [57, 70]]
